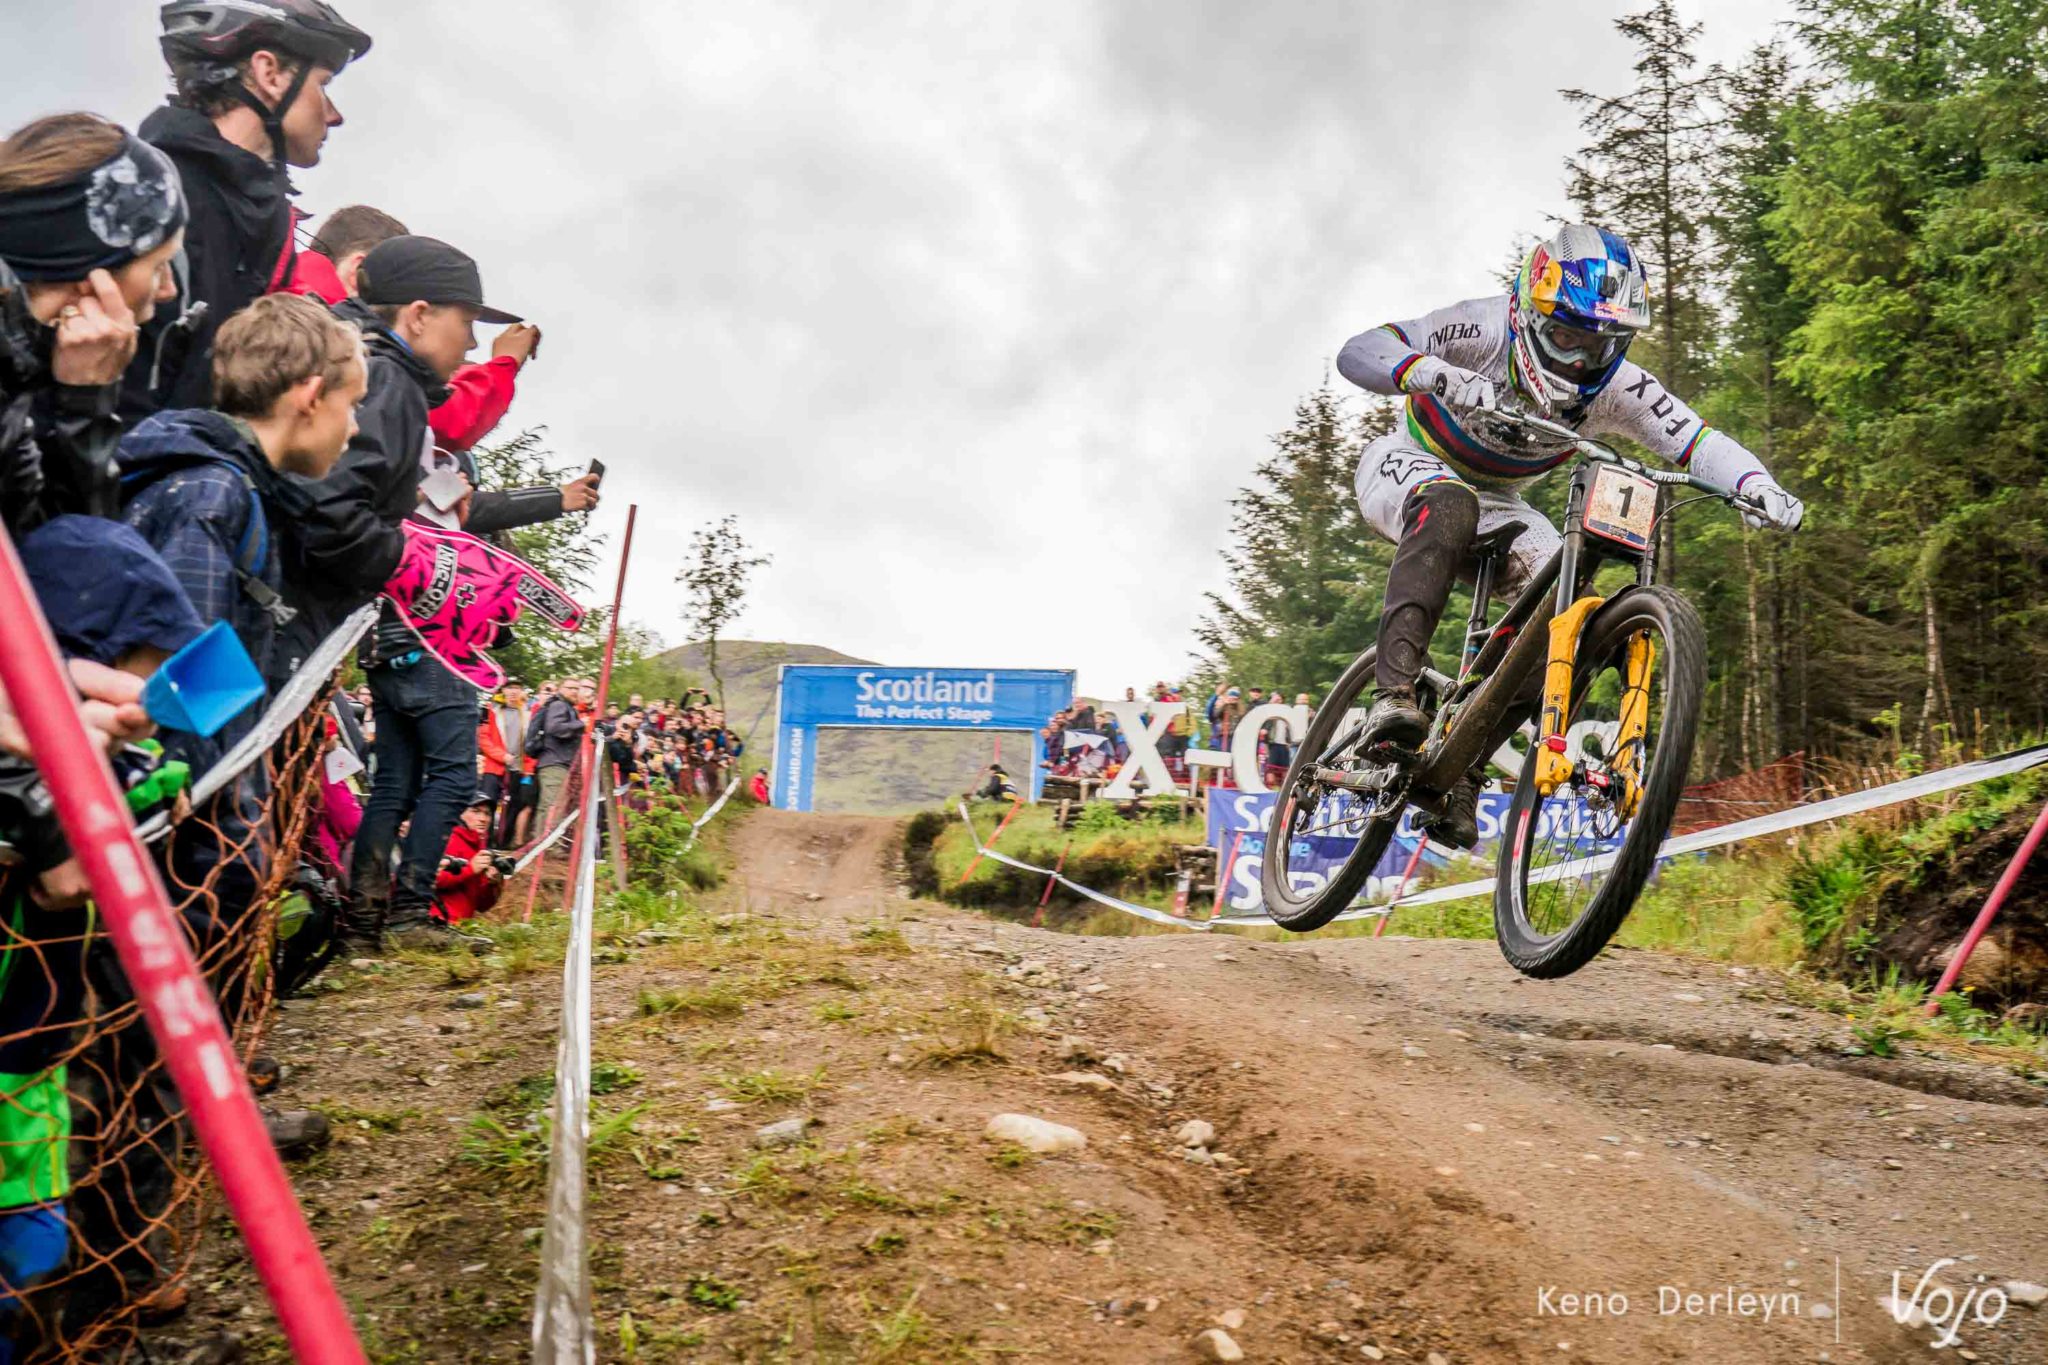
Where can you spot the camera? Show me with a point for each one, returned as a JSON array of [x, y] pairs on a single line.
[[505, 864]]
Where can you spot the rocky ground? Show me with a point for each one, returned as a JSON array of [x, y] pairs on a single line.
[[1347, 1150]]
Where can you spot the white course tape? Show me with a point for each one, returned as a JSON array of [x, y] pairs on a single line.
[[563, 1330], [713, 809], [293, 698], [1141, 911], [1834, 808], [554, 835]]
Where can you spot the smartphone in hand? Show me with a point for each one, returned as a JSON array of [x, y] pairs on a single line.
[[596, 470]]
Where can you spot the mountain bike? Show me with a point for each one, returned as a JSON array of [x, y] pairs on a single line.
[[1614, 685]]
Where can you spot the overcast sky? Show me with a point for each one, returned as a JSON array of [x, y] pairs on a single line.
[[975, 315]]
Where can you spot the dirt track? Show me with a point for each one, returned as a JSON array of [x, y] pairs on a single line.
[[1444, 1139], [1418, 1144]]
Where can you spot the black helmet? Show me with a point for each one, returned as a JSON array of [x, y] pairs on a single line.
[[225, 31]]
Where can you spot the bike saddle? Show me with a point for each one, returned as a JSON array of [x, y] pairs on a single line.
[[1495, 544]]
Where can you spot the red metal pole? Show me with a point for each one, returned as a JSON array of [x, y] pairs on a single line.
[[1223, 877], [1990, 910], [1038, 921], [174, 996], [594, 768], [1401, 887], [547, 827], [1014, 808]]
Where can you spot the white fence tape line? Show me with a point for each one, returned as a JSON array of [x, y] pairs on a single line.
[[554, 835], [564, 1332], [1141, 911], [1797, 817], [711, 810], [293, 698]]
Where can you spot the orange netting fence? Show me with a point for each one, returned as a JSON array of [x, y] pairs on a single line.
[[127, 1186]]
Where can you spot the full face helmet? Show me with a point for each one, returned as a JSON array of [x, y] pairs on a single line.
[[1578, 301]]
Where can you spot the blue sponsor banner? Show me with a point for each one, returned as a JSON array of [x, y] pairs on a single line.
[[865, 696], [1318, 855]]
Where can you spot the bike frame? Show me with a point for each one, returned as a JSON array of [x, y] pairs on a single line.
[[1498, 660]]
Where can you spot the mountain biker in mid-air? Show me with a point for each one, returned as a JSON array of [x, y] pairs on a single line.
[[1554, 347]]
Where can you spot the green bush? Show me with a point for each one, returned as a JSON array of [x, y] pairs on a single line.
[[663, 856]]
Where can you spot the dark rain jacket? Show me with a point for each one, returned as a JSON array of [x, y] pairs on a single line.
[[238, 247]]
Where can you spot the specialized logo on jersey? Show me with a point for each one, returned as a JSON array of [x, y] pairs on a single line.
[[1454, 331]]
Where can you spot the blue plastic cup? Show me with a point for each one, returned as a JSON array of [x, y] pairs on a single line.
[[204, 685]]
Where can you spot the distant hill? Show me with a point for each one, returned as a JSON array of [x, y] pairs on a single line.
[[750, 668], [871, 772]]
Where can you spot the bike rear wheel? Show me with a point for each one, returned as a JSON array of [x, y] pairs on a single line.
[[1299, 890], [1572, 864]]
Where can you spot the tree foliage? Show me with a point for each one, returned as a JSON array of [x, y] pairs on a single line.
[[1849, 251], [717, 574], [564, 549]]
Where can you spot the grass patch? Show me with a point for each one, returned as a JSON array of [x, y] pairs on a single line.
[[708, 1002], [374, 1120], [881, 940], [768, 1085], [971, 1033], [885, 1244], [1885, 1010], [708, 1291], [900, 1331], [835, 1012], [1084, 1228]]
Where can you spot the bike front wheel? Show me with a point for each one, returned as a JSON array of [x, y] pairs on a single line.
[[1572, 863], [1302, 885]]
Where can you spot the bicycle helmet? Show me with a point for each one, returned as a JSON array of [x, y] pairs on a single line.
[[210, 38], [1578, 301]]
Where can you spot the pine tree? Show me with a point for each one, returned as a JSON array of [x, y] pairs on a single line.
[[1306, 573], [1647, 174]]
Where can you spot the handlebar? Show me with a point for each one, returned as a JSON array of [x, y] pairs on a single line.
[[1594, 450]]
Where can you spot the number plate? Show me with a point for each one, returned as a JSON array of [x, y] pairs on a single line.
[[1622, 507]]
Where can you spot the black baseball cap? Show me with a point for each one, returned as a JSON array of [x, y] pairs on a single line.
[[403, 269]]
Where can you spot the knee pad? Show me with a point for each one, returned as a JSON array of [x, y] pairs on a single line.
[[1445, 512]]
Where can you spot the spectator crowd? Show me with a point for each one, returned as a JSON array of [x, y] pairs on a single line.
[[223, 416], [1087, 739]]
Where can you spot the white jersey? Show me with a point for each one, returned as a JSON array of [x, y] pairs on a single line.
[[1474, 336]]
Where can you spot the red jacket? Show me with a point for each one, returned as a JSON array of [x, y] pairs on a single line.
[[490, 743], [758, 789], [466, 894], [317, 278], [478, 395]]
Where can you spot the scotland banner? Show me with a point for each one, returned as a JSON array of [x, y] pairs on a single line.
[[1316, 857]]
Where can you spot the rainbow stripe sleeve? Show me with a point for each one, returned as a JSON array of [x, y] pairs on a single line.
[[1401, 370], [1685, 455]]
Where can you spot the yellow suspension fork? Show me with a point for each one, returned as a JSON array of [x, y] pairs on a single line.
[[1552, 766], [1630, 739]]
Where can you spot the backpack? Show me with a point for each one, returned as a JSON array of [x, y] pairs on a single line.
[[251, 550], [308, 931], [536, 730]]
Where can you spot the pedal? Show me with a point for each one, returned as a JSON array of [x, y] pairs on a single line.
[[1386, 751]]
